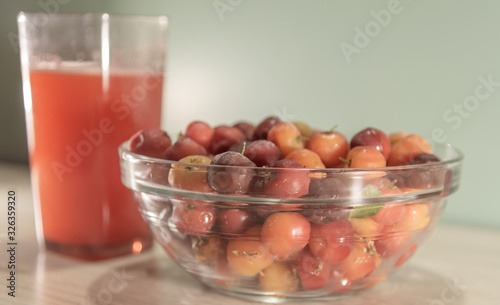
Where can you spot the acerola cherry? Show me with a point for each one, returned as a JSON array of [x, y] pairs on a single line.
[[238, 147], [247, 255], [263, 128], [423, 158], [325, 213], [207, 249], [428, 178], [224, 137], [290, 180], [278, 277], [190, 176], [191, 217], [304, 128], [313, 273], [329, 187], [361, 261], [395, 137], [262, 152], [330, 147], [306, 157], [415, 217], [366, 227], [392, 241], [407, 148], [184, 147], [235, 174], [234, 221], [286, 136], [149, 142], [201, 132], [332, 242], [247, 129], [285, 234], [365, 157], [373, 137], [390, 213]]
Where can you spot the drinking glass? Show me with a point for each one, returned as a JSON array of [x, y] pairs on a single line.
[[90, 81]]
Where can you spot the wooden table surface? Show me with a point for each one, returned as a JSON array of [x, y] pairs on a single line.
[[457, 265]]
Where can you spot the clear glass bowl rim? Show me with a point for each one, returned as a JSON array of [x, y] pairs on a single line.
[[140, 184], [124, 151]]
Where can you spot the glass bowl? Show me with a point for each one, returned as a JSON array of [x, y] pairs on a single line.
[[255, 233]]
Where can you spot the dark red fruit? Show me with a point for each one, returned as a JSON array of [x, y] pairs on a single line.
[[426, 177], [191, 217], [423, 158], [325, 213], [184, 147], [373, 137], [238, 147], [332, 242], [247, 129], [313, 273], [233, 176], [224, 137], [285, 163], [259, 181], [327, 188], [234, 221], [289, 181], [149, 142], [263, 152], [263, 128], [201, 132]]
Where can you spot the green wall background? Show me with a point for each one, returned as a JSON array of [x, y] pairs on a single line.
[[246, 59]]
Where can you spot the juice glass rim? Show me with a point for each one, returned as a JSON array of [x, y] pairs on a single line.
[[21, 16]]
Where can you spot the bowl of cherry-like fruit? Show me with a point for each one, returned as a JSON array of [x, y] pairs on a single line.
[[279, 211]]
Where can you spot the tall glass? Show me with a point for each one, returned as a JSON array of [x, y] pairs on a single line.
[[90, 81]]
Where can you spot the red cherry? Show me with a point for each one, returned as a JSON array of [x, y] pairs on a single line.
[[375, 138], [330, 146]]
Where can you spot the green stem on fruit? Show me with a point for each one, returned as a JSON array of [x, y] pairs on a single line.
[[244, 147], [348, 162], [189, 168], [299, 139], [332, 129]]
